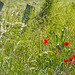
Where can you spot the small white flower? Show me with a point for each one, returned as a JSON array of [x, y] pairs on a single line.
[[58, 44], [62, 30]]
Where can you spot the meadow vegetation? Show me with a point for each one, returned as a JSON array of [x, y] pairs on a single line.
[[41, 49]]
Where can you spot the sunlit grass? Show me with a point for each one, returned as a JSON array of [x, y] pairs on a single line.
[[27, 54]]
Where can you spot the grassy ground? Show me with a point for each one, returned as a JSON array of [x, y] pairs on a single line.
[[27, 54]]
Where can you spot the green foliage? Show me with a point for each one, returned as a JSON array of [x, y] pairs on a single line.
[[26, 54]]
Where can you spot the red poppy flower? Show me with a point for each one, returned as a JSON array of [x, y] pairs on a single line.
[[58, 50], [73, 55], [45, 41], [65, 60], [69, 63], [66, 44], [71, 58], [74, 62]]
